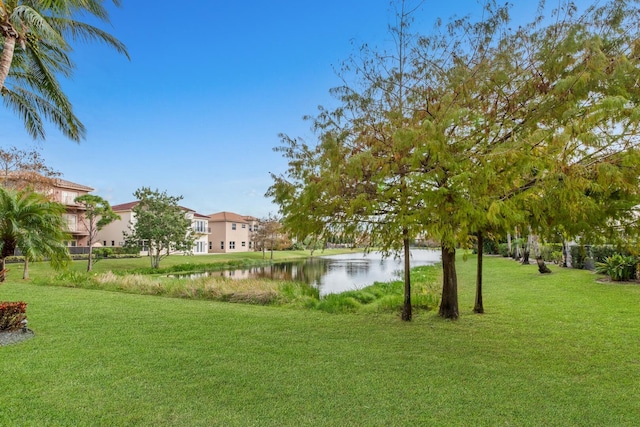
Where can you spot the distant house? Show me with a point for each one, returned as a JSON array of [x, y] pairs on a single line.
[[231, 232], [112, 235]]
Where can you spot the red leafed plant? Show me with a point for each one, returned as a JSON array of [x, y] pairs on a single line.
[[12, 314]]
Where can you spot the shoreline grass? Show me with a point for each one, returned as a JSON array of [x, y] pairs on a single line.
[[559, 349]]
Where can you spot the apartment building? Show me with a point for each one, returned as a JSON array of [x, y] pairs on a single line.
[[112, 235], [65, 192]]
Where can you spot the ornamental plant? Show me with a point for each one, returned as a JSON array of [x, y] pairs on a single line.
[[12, 314], [618, 267]]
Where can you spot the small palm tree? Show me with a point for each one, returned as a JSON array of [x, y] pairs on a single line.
[[34, 224], [35, 44]]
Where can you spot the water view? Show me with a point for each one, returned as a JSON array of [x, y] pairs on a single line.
[[336, 273]]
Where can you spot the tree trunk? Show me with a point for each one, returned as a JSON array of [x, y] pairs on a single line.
[[155, 257], [449, 301], [25, 271], [566, 252], [478, 307], [527, 250], [406, 308], [3, 270], [90, 262], [7, 54], [542, 267], [509, 248]]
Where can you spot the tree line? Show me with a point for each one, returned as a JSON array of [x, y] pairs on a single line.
[[475, 129]]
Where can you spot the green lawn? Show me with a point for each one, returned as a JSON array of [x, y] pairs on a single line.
[[559, 349]]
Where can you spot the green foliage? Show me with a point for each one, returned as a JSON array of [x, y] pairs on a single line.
[[12, 315], [600, 253], [578, 256], [97, 215], [33, 224], [103, 252], [618, 267], [503, 249], [161, 224], [490, 247], [480, 126], [551, 252], [37, 40]]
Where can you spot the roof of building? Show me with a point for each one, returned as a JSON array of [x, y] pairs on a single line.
[[35, 177], [124, 206], [226, 217], [128, 206], [63, 183]]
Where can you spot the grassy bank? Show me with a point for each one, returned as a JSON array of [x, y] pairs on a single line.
[[126, 275], [559, 350]]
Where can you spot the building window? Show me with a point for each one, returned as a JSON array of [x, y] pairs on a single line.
[[200, 247], [71, 221], [200, 226], [244, 225], [232, 245], [243, 244], [104, 243], [113, 243], [222, 245], [233, 226], [210, 246], [69, 197], [249, 245]]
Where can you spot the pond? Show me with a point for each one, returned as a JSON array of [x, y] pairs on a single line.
[[335, 273]]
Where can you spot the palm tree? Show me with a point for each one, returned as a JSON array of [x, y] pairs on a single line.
[[34, 48], [34, 224]]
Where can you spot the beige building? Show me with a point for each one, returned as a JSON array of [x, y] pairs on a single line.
[[112, 235], [65, 192], [231, 232]]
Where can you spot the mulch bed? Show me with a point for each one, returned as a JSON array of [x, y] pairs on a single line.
[[14, 337]]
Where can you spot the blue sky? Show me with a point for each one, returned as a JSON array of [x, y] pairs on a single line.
[[210, 85]]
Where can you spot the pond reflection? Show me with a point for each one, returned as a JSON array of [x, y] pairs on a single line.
[[334, 273]]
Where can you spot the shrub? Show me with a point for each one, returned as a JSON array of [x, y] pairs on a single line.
[[578, 255], [551, 252], [490, 247], [503, 249], [103, 252], [618, 267], [12, 314], [602, 252]]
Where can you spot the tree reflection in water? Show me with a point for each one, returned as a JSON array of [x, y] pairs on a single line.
[[335, 273]]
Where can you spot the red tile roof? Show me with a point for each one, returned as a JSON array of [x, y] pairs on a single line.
[[226, 217], [128, 206]]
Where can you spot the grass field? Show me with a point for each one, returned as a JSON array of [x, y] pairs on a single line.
[[559, 349]]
